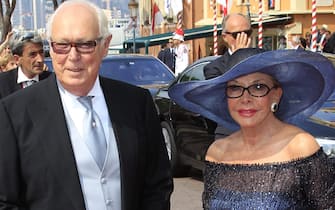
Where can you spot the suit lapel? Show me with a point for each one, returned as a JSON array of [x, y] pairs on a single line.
[[121, 124], [14, 82], [56, 141], [126, 136]]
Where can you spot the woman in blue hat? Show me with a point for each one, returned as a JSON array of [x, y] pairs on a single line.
[[268, 162]]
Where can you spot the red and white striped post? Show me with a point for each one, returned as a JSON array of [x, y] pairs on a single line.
[[215, 29], [314, 27], [180, 19], [260, 24]]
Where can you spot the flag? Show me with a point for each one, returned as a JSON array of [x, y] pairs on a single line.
[[225, 6], [271, 4], [167, 6], [157, 17], [177, 6]]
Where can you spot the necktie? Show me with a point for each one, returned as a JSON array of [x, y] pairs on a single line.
[[28, 83], [93, 132]]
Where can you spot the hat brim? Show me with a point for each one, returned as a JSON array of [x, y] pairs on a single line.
[[307, 80]]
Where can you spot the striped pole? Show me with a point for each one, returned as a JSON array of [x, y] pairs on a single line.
[[215, 29], [180, 19], [260, 24], [314, 28]]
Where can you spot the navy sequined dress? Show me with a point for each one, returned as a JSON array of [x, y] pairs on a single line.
[[307, 183]]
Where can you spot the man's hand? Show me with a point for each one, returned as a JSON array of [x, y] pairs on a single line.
[[9, 35], [242, 41]]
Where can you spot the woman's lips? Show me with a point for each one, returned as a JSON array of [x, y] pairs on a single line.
[[247, 112]]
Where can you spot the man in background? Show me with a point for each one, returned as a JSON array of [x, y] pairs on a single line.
[[236, 32], [28, 53], [167, 55], [296, 43], [180, 50]]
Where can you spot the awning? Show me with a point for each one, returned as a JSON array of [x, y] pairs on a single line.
[[194, 33], [158, 39]]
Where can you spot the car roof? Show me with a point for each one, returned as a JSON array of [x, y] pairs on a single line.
[[128, 56]]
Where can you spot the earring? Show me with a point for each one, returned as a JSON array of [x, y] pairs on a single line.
[[274, 107]]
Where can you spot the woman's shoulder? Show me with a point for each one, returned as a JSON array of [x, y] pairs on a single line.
[[301, 143], [218, 148]]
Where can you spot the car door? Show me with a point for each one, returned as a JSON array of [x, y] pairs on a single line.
[[193, 133]]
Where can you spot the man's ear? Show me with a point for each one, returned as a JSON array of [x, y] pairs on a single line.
[[106, 44], [17, 59]]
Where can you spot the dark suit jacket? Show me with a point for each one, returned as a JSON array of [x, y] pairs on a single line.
[[212, 70], [37, 165], [168, 58], [300, 48], [8, 81], [217, 67], [330, 44]]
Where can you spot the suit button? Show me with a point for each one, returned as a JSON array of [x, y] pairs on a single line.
[[109, 202], [103, 181]]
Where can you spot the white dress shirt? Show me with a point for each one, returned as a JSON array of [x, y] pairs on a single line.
[[101, 189], [22, 78]]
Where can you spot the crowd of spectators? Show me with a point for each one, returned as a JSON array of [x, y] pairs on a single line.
[[7, 59], [325, 41]]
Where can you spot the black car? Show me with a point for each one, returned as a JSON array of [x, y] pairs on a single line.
[[188, 134]]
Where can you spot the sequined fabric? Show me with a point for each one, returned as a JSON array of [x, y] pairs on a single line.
[[307, 183]]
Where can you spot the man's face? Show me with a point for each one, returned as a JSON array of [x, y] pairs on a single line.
[[77, 71], [170, 44], [176, 42], [32, 59], [235, 23]]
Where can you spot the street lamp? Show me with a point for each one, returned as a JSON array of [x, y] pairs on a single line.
[[247, 4], [133, 6]]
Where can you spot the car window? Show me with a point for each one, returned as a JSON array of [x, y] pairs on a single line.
[[196, 73], [136, 71]]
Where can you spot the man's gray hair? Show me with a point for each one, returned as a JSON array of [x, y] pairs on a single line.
[[19, 40]]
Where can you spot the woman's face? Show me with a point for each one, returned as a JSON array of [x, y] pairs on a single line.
[[248, 110]]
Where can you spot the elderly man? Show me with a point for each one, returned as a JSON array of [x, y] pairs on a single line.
[[79, 141], [236, 32], [28, 53]]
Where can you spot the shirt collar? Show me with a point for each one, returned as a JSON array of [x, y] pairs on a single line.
[[96, 90], [21, 77]]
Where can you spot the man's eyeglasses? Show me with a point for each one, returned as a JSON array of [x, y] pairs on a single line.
[[234, 34], [255, 90], [81, 47]]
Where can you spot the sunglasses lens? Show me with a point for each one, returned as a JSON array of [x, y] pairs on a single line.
[[234, 34]]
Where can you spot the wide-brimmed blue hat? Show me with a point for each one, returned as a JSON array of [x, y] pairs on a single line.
[[307, 79]]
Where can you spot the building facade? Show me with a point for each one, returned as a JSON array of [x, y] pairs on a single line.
[[281, 19]]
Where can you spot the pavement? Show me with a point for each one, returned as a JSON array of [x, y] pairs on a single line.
[[187, 194]]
